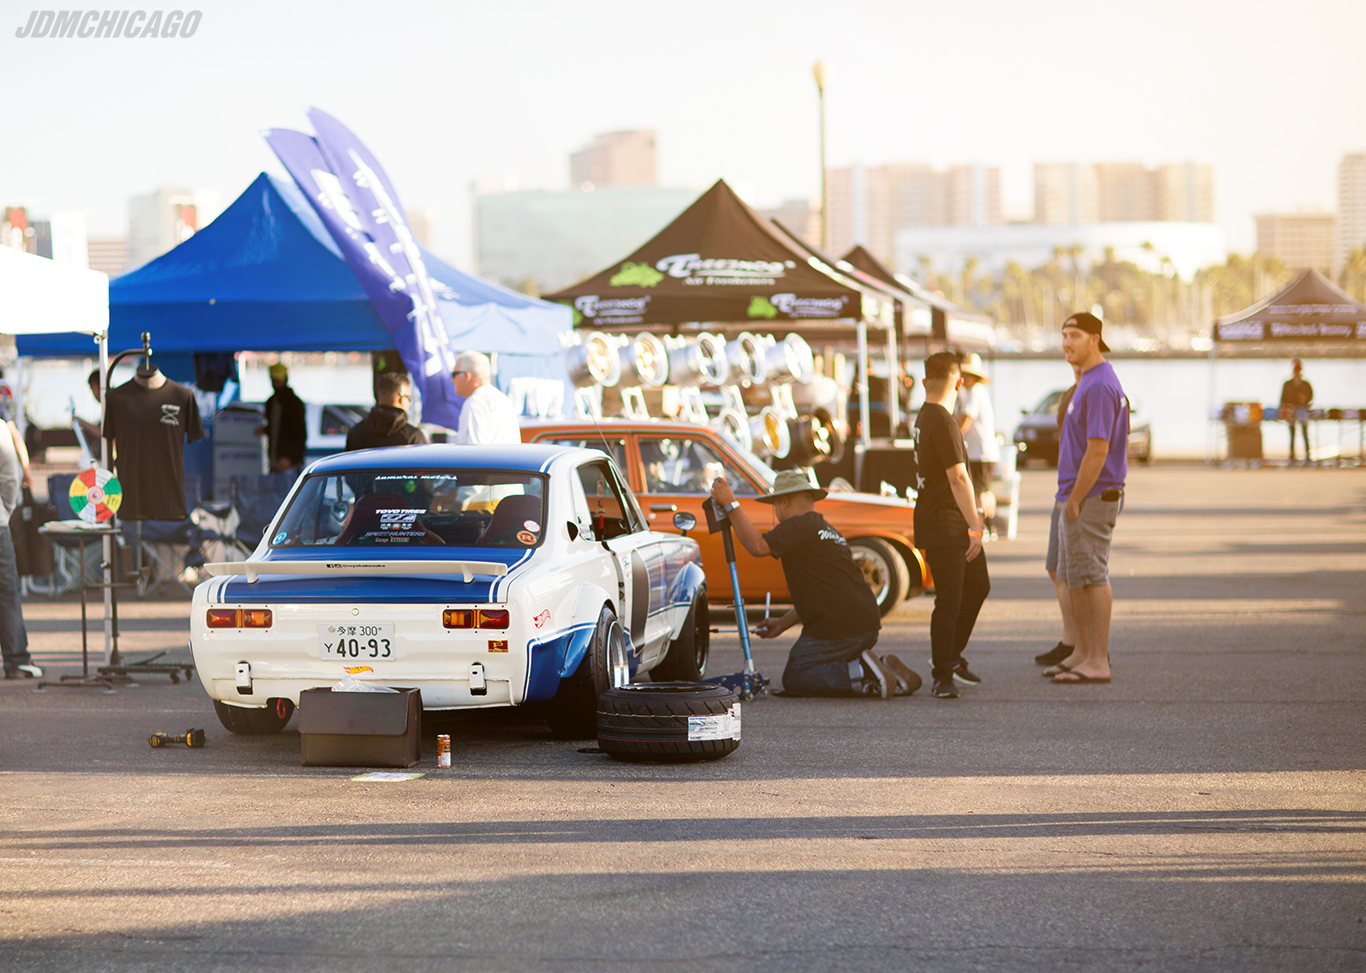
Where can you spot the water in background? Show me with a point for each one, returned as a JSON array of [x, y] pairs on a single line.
[[1174, 396]]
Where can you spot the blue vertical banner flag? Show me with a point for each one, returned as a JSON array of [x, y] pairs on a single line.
[[355, 200]]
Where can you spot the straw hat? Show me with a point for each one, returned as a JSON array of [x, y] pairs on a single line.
[[972, 365], [793, 481]]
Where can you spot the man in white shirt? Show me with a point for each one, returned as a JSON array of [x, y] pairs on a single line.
[[487, 416], [978, 423], [13, 635]]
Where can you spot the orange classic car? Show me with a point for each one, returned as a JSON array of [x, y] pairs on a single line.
[[671, 466]]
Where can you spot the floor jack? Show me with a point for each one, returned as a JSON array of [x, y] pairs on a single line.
[[748, 683]]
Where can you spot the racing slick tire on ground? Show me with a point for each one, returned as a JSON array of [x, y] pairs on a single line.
[[255, 722], [883, 568], [688, 654], [606, 664], [668, 722]]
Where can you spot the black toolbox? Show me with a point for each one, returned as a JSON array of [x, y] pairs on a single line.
[[360, 729]]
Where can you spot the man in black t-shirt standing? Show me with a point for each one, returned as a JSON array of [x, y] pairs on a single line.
[[948, 527], [839, 616]]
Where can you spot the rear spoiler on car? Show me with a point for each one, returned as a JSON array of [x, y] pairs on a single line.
[[254, 569]]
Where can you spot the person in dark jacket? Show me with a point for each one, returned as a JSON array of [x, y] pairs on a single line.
[[286, 428], [387, 423]]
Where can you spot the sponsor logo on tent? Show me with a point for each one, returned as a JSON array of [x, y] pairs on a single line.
[[1241, 331], [761, 307], [1283, 330], [636, 275], [613, 310], [809, 307], [691, 268]]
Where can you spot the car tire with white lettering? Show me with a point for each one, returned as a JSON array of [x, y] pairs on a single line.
[[255, 722], [668, 722], [688, 654]]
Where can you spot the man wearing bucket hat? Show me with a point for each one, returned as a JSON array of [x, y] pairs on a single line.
[[977, 420], [286, 428], [1092, 466], [830, 598]]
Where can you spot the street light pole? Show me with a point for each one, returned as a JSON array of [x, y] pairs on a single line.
[[819, 71]]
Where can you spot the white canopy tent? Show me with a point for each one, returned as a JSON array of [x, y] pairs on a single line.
[[41, 296]]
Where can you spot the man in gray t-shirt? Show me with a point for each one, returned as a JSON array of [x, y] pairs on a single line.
[[13, 635]]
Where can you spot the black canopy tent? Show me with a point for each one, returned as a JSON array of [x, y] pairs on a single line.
[[948, 326], [1309, 309], [1309, 312], [720, 261]]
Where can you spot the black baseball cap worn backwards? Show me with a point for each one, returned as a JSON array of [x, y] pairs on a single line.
[[1087, 322]]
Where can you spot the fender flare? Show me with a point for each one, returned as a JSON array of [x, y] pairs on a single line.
[[684, 589], [587, 608]]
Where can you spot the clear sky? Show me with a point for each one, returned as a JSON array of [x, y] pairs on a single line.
[[1271, 94]]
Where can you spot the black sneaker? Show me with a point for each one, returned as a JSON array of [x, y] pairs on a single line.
[[1055, 655], [965, 676], [944, 689]]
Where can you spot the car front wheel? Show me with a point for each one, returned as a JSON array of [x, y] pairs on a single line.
[[687, 656], [883, 568]]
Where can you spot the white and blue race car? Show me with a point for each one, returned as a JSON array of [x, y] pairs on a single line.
[[484, 576]]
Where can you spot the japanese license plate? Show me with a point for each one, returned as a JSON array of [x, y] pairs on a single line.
[[356, 640]]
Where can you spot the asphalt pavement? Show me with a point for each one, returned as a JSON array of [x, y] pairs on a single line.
[[1205, 811]]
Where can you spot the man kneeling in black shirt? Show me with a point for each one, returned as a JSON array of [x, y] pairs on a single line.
[[840, 622]]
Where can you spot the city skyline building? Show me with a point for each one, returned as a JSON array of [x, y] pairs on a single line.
[[1122, 192], [1351, 223], [109, 255], [540, 241], [166, 218], [801, 216], [868, 205], [1299, 240], [615, 160]]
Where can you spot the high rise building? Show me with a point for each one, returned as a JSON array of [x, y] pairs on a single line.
[[868, 205], [1351, 206], [542, 241], [615, 159], [1184, 193], [1300, 240], [164, 219], [1065, 193], [801, 216], [1122, 192], [109, 255]]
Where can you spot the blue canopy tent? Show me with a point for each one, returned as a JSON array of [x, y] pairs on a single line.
[[266, 276]]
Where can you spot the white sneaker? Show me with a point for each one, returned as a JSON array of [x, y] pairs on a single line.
[[26, 671], [873, 667]]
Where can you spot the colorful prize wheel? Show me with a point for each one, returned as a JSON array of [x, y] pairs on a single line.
[[95, 495]]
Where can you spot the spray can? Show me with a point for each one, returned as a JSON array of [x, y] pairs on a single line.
[[443, 750]]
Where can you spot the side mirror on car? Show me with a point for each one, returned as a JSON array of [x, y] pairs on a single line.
[[684, 521]]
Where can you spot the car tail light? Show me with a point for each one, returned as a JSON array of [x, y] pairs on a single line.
[[458, 618], [224, 618], [256, 618], [476, 618], [494, 617]]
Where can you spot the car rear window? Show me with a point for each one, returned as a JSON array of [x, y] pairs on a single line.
[[385, 508]]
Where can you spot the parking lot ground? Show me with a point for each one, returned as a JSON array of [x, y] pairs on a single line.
[[1206, 811]]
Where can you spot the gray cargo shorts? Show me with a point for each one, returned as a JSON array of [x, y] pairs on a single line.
[[1050, 560], [1084, 543]]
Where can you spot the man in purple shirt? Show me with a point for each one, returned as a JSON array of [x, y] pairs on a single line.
[[1092, 464]]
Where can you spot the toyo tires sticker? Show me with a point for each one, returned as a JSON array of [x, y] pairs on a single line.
[[720, 726]]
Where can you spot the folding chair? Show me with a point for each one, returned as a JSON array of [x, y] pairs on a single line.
[[256, 499]]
